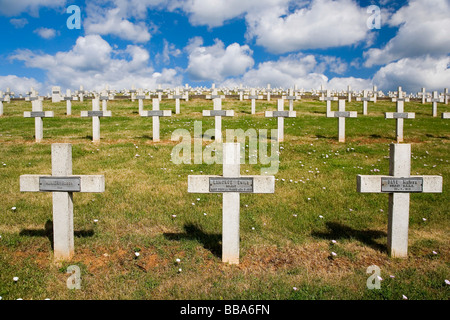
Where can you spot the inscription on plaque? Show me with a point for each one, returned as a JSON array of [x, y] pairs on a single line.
[[140, 97], [37, 114], [283, 114], [156, 113], [400, 115], [339, 114], [95, 113], [402, 185], [241, 185], [61, 184], [221, 113]]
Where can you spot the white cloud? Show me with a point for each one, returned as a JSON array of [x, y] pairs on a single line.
[[168, 51], [19, 23], [214, 13], [18, 85], [320, 24], [14, 8], [112, 22], [93, 63], [423, 30], [414, 73], [45, 33], [217, 62]]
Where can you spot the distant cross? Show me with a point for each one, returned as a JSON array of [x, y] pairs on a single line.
[[218, 113], [133, 93], [349, 93], [69, 100], [156, 114], [328, 98], [214, 95], [253, 96], [435, 99], [177, 96], [342, 114], [399, 184], [37, 113], [280, 114], [62, 184], [423, 95], [268, 92], [140, 96], [2, 99], [446, 95], [95, 114], [159, 91], [81, 93], [291, 97], [8, 94], [375, 94], [241, 92], [400, 115], [401, 96], [231, 184], [365, 98], [56, 94], [104, 97]]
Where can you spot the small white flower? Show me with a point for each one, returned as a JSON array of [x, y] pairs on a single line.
[[204, 213], [447, 282], [320, 216], [380, 278], [137, 254], [334, 254], [177, 260], [15, 279], [404, 297], [95, 220], [434, 252], [392, 276], [253, 228], [193, 203], [198, 199], [179, 270], [13, 208], [424, 219], [174, 216], [333, 241], [309, 199], [295, 288]]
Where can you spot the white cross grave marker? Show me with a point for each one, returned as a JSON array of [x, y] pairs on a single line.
[[400, 115], [177, 96], [435, 99], [218, 113], [253, 97], [155, 114], [81, 93], [349, 93], [423, 95], [62, 184], [104, 97], [56, 94], [365, 98], [231, 184], [141, 97], [328, 98], [291, 97], [268, 91], [399, 184], [95, 114], [37, 113], [69, 100], [2, 99], [342, 114], [133, 93], [280, 114], [446, 95]]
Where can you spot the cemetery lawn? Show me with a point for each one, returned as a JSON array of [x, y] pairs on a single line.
[[286, 237]]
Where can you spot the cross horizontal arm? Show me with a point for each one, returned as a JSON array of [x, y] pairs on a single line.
[[284, 114], [88, 183], [373, 184], [260, 184], [400, 115], [96, 113], [222, 113], [156, 113], [41, 114], [345, 114]]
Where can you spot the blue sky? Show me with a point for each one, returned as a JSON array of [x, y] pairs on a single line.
[[283, 43]]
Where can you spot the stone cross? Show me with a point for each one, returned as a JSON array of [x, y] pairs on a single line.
[[56, 94], [8, 94], [423, 94], [104, 97], [37, 113], [186, 90], [159, 92], [280, 114], [349, 93], [214, 95], [2, 99], [62, 184], [155, 114], [95, 114], [177, 96], [69, 100], [375, 94], [241, 92], [401, 96], [218, 113], [141, 97], [365, 98], [435, 99], [446, 95], [291, 97], [399, 184], [400, 115], [81, 93], [268, 91], [253, 97], [133, 93], [342, 114], [328, 98], [231, 184]]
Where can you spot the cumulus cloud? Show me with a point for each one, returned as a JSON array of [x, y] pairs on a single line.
[[112, 22], [18, 85], [14, 8], [423, 30], [93, 63], [414, 73], [217, 62], [19, 23], [317, 25], [45, 33]]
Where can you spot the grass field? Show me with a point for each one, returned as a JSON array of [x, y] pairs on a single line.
[[286, 237]]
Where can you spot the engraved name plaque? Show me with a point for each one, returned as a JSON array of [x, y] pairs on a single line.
[[402, 185], [61, 184], [241, 185]]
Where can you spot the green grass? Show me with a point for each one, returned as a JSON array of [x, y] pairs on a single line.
[[285, 237]]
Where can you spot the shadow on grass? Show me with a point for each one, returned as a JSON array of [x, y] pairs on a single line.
[[48, 232], [210, 241], [338, 231]]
